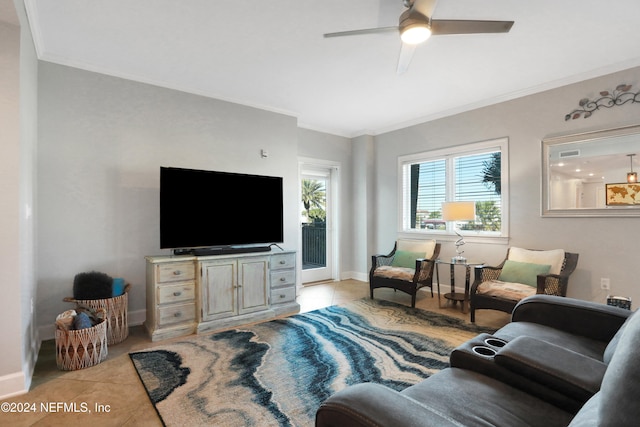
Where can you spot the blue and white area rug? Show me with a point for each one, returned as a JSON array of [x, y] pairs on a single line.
[[279, 372]]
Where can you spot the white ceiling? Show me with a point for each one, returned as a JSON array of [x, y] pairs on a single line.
[[272, 54]]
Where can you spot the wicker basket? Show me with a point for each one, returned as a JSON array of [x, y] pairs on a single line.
[[117, 309], [82, 348]]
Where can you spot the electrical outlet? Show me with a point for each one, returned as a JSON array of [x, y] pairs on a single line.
[[605, 284]]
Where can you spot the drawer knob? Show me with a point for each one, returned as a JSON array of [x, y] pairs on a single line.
[[282, 279], [177, 294], [177, 273], [282, 296], [283, 262], [177, 314]]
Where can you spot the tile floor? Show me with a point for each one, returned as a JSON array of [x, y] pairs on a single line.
[[113, 392]]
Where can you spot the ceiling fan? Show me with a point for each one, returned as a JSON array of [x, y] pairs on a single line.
[[416, 26]]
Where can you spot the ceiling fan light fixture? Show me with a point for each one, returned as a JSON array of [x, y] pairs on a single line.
[[416, 33]]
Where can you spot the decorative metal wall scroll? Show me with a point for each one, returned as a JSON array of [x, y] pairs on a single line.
[[621, 95]]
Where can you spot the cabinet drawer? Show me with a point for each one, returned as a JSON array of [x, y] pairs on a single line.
[[279, 296], [282, 278], [168, 294], [175, 271], [176, 314], [283, 261]]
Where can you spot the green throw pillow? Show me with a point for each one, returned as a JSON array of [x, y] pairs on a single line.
[[522, 272], [406, 259]]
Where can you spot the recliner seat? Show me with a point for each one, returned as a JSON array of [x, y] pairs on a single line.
[[463, 397]]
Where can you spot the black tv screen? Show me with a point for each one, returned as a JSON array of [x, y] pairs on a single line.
[[201, 208]]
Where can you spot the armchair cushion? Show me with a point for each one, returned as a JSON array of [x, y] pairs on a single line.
[[425, 247], [554, 257], [522, 272], [398, 273], [507, 290], [406, 259]]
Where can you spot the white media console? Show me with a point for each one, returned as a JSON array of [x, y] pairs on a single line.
[[193, 294]]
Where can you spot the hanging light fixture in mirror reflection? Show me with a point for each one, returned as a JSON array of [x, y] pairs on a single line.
[[632, 177]]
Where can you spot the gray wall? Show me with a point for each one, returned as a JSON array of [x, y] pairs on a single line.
[[364, 197], [606, 245], [10, 193], [28, 194], [102, 142], [18, 132]]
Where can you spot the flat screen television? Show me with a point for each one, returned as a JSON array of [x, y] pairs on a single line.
[[209, 212]]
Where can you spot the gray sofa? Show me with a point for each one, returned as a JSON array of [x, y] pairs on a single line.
[[559, 362]]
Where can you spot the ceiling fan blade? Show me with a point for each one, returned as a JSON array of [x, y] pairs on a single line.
[[364, 31], [425, 7], [453, 26], [406, 53]]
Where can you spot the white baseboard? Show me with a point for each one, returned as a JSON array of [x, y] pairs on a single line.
[[137, 317], [445, 288], [346, 275], [12, 385]]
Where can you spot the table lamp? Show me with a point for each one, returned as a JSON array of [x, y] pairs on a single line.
[[458, 211]]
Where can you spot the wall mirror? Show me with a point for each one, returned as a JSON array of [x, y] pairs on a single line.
[[592, 174]]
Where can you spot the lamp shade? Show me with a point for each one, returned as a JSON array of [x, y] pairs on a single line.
[[459, 211]]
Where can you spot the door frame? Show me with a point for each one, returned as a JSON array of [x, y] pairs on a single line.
[[333, 209]]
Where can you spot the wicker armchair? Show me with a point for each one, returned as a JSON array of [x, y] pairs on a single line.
[[490, 292], [388, 271]]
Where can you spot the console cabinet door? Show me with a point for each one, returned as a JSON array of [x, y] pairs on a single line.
[[219, 289], [253, 280]]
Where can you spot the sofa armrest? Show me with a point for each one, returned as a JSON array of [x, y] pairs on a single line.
[[585, 318], [555, 367], [369, 405]]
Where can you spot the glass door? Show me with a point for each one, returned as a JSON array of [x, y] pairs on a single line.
[[315, 211]]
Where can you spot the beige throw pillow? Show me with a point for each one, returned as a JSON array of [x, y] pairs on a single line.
[[553, 257], [423, 246]]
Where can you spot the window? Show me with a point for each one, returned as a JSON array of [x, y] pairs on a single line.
[[474, 172]]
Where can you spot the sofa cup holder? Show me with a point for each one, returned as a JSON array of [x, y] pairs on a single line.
[[495, 342], [488, 347], [483, 351]]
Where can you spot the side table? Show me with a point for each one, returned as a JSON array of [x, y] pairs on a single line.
[[453, 295]]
